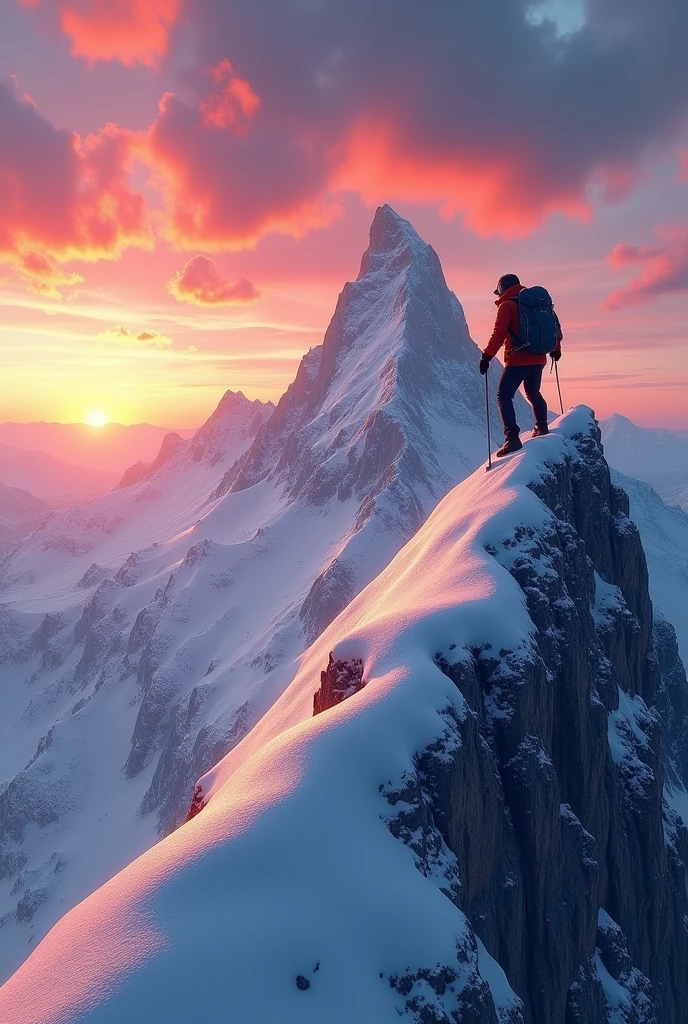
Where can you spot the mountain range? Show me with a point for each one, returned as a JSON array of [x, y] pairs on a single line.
[[20, 514], [464, 806], [58, 483], [146, 632], [115, 445]]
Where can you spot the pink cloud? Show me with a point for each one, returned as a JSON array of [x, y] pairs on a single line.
[[62, 197], [131, 31], [665, 268], [201, 282], [233, 106], [43, 275], [227, 190]]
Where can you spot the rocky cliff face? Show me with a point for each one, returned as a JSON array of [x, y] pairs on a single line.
[[566, 859]]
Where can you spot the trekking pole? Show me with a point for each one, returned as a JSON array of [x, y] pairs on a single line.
[[556, 371], [487, 414]]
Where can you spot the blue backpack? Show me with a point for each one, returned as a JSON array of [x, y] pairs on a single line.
[[538, 324]]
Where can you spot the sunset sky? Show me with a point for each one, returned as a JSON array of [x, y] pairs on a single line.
[[185, 185]]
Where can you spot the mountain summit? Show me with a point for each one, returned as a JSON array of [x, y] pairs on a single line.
[[393, 395]]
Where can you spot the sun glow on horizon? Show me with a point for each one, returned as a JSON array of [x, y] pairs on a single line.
[[96, 418]]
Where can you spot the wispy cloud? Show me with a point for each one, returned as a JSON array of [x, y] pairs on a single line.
[[136, 339], [665, 268]]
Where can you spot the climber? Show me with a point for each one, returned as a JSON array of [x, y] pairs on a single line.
[[525, 353]]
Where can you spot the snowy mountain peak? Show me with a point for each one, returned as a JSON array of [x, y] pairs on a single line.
[[394, 244], [366, 407]]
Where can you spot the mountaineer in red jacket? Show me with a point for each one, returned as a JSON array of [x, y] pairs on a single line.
[[519, 367]]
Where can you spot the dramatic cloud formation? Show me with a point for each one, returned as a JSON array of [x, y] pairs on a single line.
[[136, 339], [201, 282], [127, 30], [472, 106], [665, 268], [61, 197], [483, 109]]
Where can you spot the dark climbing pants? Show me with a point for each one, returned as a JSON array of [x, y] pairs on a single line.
[[510, 381]]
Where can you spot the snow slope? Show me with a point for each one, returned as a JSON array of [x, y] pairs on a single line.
[[656, 456], [20, 513], [287, 897], [145, 633], [664, 532], [60, 483]]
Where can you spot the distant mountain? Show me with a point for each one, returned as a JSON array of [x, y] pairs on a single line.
[[20, 513], [459, 811], [652, 454], [61, 484], [113, 445], [664, 532], [148, 631]]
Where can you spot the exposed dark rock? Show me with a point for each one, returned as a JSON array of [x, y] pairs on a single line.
[[197, 804], [330, 593], [184, 759], [29, 904], [341, 679]]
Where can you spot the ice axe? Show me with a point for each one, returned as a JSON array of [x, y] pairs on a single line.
[[555, 367]]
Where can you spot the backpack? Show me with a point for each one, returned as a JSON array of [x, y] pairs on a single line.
[[538, 324]]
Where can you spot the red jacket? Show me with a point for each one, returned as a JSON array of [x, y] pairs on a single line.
[[507, 317]]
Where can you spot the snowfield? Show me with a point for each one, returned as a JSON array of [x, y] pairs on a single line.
[[287, 897]]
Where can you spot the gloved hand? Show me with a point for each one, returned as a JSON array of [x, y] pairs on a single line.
[[484, 363], [556, 355]]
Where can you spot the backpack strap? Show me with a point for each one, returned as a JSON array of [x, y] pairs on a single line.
[[516, 339]]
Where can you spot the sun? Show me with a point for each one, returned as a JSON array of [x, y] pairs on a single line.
[[96, 418]]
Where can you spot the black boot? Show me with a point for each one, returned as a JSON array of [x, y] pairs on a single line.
[[512, 444], [540, 430]]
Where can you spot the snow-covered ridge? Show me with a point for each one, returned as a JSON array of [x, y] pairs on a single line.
[[454, 840]]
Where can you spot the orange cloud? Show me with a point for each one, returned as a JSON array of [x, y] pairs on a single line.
[[665, 268], [501, 196], [62, 197], [201, 282], [131, 31]]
